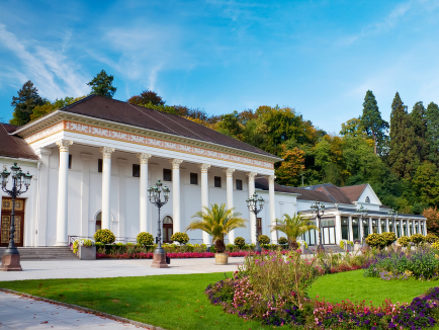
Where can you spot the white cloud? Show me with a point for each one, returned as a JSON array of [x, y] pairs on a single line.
[[52, 72]]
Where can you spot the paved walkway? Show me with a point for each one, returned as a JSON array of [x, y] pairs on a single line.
[[25, 313]]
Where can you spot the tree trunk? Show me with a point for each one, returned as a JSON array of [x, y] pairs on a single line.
[[293, 244]]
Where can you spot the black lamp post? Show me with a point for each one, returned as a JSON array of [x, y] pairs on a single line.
[[363, 214], [159, 195], [255, 203], [20, 184], [319, 209]]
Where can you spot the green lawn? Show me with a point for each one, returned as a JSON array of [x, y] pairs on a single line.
[[179, 302], [355, 287]]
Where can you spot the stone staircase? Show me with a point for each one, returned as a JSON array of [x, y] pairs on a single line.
[[44, 253]]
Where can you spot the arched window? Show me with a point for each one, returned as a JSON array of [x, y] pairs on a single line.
[[99, 221], [168, 229], [367, 199]]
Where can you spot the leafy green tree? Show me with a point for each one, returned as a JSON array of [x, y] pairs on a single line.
[[352, 128], [293, 226], [146, 98], [432, 133], [328, 159], [217, 221], [46, 108], [290, 170], [372, 122], [24, 104], [418, 120], [102, 84], [402, 155], [230, 125], [426, 183]]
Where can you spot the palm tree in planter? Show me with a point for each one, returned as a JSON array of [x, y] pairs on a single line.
[[217, 221], [293, 227]]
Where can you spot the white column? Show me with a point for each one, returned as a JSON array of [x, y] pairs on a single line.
[[424, 227], [401, 227], [370, 226], [419, 227], [413, 227], [387, 225], [205, 195], [229, 188], [380, 231], [251, 191], [62, 201], [143, 196], [360, 223], [124, 172], [351, 230], [106, 187], [271, 197], [176, 194], [409, 232], [337, 228], [85, 194], [42, 197]]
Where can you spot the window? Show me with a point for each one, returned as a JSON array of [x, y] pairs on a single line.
[[194, 178], [70, 161], [167, 174], [238, 184], [345, 228], [367, 199], [217, 181], [136, 170], [168, 229], [100, 165]]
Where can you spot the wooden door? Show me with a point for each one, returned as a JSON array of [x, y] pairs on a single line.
[[6, 221], [168, 229]]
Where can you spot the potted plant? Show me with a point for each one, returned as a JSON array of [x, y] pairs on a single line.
[[293, 227], [217, 221], [85, 249]]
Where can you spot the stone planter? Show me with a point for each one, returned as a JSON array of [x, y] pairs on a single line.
[[87, 252], [221, 258]]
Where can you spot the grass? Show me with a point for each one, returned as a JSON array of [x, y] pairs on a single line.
[[179, 302], [168, 301], [355, 287]]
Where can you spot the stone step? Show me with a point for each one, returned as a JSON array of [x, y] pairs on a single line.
[[44, 253]]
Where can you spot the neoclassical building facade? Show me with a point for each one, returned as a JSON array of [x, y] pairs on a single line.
[[93, 161]]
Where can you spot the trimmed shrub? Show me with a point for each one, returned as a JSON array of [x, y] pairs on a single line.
[[417, 239], [181, 238], [105, 236], [404, 241], [282, 241], [239, 242], [431, 238], [376, 241], [389, 238], [263, 239], [145, 239]]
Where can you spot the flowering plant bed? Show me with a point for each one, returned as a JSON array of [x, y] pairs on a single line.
[[172, 255]]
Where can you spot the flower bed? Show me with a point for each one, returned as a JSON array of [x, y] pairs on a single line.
[[172, 255]]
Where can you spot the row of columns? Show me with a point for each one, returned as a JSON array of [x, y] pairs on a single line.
[[62, 201]]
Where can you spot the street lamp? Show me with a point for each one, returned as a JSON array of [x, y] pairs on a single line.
[[20, 184], [159, 195], [255, 203], [319, 209], [363, 214]]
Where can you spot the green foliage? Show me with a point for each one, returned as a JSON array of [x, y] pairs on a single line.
[[179, 237], [48, 107], [282, 240], [376, 241], [263, 239], [105, 236], [417, 239], [146, 98], [293, 227], [102, 84], [25, 103], [217, 221], [389, 238], [431, 238], [239, 241], [145, 239], [404, 241]]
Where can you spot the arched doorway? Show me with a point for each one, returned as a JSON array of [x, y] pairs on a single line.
[[98, 220], [168, 229]]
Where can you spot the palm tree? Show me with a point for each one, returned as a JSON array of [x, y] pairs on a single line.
[[293, 227], [217, 221]]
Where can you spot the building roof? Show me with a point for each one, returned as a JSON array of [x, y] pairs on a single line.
[[123, 112], [14, 146], [353, 192]]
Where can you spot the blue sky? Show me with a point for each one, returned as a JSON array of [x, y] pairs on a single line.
[[319, 57]]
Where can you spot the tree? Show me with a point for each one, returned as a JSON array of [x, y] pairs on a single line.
[[372, 122], [46, 108], [217, 221], [292, 167], [402, 154], [353, 127], [293, 227], [147, 97], [432, 215], [102, 84], [230, 125], [419, 122], [426, 183], [27, 99], [432, 134]]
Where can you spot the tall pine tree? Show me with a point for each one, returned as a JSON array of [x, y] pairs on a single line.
[[102, 84], [402, 155], [27, 99], [432, 134], [372, 122], [419, 123]]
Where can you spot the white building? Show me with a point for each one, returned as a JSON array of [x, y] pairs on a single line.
[[93, 161]]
